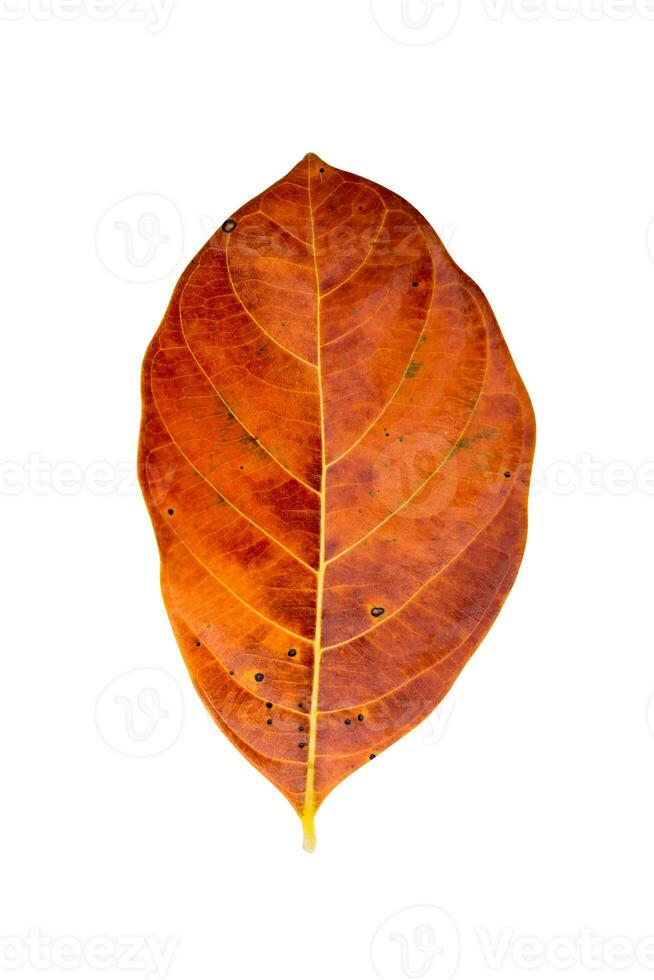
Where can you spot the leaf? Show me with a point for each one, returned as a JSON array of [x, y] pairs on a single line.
[[335, 452]]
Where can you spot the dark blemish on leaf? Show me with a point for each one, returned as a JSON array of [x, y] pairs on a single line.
[[301, 728], [197, 643], [348, 721], [360, 717], [467, 442], [507, 474], [269, 721], [322, 170], [228, 226], [231, 673], [171, 511], [301, 704], [301, 745], [413, 369], [377, 611], [400, 438], [269, 704], [372, 755], [414, 284], [292, 653], [258, 677]]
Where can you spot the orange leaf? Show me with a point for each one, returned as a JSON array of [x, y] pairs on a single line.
[[335, 452]]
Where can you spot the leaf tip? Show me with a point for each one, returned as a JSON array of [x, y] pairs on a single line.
[[317, 164], [309, 842]]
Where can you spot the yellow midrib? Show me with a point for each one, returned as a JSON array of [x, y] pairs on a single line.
[[309, 810]]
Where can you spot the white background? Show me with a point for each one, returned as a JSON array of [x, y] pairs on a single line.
[[524, 808]]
